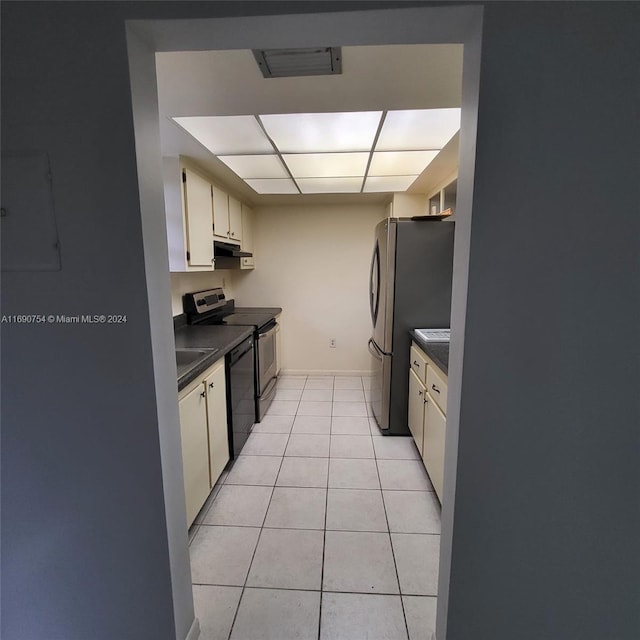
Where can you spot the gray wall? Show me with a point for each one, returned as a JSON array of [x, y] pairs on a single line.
[[546, 511], [84, 544], [546, 502]]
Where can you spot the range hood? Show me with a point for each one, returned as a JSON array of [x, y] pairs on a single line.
[[228, 250]]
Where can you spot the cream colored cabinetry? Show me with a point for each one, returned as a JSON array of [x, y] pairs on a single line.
[[247, 236], [444, 197], [427, 413], [235, 220], [204, 435], [188, 208], [220, 214], [198, 212], [217, 421], [195, 456], [227, 216], [433, 443], [416, 409]]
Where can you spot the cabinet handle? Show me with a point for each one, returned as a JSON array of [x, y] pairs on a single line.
[[417, 364], [211, 385], [433, 386], [203, 394], [419, 393]]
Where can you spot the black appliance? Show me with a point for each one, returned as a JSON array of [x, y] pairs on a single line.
[[240, 372], [212, 307]]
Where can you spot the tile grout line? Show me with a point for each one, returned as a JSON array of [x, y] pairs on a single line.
[[393, 555], [363, 593], [255, 549], [324, 532]]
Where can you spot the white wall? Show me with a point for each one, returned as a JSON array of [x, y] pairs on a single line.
[[182, 283], [313, 261]]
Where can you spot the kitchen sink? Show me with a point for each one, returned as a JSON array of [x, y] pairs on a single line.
[[189, 359]]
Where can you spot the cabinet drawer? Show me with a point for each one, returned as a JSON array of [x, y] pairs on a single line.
[[433, 444], [418, 363], [437, 387], [416, 408]]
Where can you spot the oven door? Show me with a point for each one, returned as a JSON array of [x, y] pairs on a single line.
[[267, 365]]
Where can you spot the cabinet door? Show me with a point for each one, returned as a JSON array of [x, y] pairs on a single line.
[[418, 363], [217, 420], [437, 387], [198, 214], [433, 444], [416, 408], [247, 236], [195, 457], [235, 220], [220, 214]]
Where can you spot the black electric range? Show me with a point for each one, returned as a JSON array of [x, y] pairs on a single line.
[[212, 307]]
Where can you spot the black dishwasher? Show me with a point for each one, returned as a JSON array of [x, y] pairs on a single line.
[[240, 390]]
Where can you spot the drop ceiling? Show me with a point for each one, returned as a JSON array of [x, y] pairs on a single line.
[[379, 81]]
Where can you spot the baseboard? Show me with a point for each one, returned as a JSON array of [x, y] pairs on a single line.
[[324, 372], [194, 631]]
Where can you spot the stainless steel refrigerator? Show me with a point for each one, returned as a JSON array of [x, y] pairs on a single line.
[[409, 288]]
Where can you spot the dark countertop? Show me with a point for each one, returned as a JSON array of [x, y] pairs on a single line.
[[437, 351], [212, 336], [274, 311]]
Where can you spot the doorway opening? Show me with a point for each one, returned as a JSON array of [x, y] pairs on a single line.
[[396, 27]]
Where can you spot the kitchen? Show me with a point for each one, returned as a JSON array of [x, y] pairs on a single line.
[[94, 539], [311, 256]]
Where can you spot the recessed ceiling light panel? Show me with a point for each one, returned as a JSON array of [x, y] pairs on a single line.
[[400, 163], [225, 135], [277, 185], [322, 132], [330, 185], [262, 166], [418, 129], [388, 183], [326, 165]]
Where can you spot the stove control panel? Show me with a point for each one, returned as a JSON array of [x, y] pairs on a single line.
[[204, 301]]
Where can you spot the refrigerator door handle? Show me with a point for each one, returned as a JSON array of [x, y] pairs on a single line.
[[374, 350], [374, 284]]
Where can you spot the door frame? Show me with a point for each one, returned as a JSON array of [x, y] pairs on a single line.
[[425, 25]]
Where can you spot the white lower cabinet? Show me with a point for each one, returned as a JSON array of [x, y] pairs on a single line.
[[217, 421], [427, 420], [433, 444], [203, 429], [195, 450], [416, 409]]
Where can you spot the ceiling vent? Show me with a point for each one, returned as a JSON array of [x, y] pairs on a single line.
[[287, 63]]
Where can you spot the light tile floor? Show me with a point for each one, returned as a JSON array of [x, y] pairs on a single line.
[[322, 529]]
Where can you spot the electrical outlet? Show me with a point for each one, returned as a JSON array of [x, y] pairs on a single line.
[[332, 343]]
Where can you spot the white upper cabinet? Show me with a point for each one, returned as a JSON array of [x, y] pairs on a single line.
[[220, 214], [235, 220], [197, 213], [227, 217], [199, 219], [188, 208], [247, 236]]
